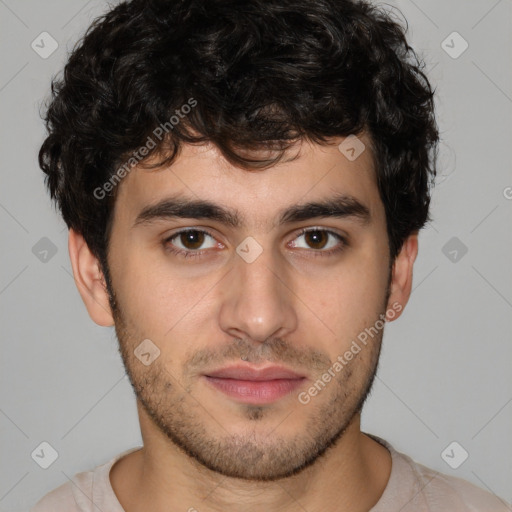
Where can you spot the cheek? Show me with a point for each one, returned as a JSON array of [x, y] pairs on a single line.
[[166, 301], [160, 300], [350, 298]]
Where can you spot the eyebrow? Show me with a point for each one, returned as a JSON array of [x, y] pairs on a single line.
[[339, 206]]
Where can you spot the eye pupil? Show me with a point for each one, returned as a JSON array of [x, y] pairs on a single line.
[[192, 239], [316, 237]]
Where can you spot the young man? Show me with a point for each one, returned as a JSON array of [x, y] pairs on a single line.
[[244, 183]]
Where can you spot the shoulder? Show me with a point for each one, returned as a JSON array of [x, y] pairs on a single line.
[[62, 498], [446, 493], [88, 491], [449, 493], [412, 487]]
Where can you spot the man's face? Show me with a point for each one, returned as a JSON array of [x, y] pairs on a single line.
[[259, 295]]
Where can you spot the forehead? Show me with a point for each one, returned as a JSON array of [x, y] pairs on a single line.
[[308, 173]]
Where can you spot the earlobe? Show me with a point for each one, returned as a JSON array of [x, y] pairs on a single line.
[[401, 279], [89, 280]]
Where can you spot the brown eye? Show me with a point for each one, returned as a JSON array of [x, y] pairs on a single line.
[[188, 242], [192, 239], [320, 242], [316, 239]]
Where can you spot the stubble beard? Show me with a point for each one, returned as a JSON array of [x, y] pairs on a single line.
[[257, 453]]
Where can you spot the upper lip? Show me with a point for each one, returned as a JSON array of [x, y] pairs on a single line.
[[255, 374]]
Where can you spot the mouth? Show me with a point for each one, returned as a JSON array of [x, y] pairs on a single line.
[[253, 385]]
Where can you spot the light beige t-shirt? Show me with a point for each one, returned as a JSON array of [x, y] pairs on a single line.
[[411, 487]]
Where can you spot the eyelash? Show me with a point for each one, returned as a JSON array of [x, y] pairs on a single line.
[[194, 254]]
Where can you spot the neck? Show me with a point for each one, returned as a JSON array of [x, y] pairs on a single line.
[[160, 477]]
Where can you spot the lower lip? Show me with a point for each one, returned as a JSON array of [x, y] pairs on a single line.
[[256, 392]]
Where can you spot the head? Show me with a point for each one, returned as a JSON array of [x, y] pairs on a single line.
[[245, 123]]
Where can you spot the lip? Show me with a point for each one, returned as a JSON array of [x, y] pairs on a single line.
[[252, 373], [255, 385]]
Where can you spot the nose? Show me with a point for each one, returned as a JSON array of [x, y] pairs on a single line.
[[258, 302]]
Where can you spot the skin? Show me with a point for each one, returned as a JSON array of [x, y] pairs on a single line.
[[202, 449]]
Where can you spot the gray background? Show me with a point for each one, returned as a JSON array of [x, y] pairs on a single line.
[[445, 369]]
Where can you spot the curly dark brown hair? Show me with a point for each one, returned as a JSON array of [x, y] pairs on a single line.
[[263, 74]]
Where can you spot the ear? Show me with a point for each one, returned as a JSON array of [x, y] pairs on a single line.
[[89, 280], [401, 277]]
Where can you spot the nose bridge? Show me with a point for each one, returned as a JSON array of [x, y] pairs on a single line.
[[258, 303]]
